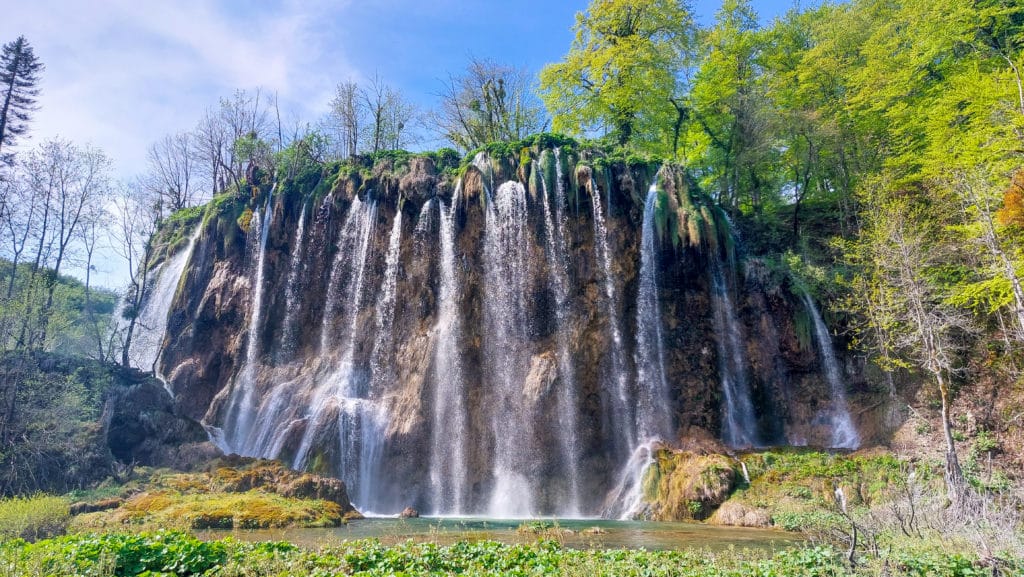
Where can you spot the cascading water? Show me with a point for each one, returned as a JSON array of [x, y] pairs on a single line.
[[621, 418], [507, 274], [653, 420], [558, 282], [296, 267], [386, 308], [282, 410], [844, 432], [626, 499], [151, 324], [739, 423], [342, 397], [448, 455], [484, 366], [241, 409]]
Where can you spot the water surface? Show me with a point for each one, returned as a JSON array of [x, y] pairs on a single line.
[[577, 534]]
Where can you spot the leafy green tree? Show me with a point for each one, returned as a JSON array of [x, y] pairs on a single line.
[[730, 107], [624, 69], [19, 79]]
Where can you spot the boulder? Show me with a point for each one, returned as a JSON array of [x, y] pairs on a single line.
[[688, 485], [409, 513]]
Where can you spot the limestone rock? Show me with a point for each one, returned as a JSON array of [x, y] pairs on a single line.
[[740, 515], [420, 183], [409, 513], [688, 485], [542, 375]]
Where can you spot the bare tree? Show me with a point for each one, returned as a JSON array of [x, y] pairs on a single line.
[[346, 117], [242, 119], [132, 239], [488, 102], [91, 234], [171, 171], [391, 117], [72, 180]]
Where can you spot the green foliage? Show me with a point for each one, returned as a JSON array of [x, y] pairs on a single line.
[[173, 553], [622, 70], [55, 442], [71, 326], [32, 518], [445, 159]]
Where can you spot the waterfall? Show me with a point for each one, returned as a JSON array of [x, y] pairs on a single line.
[[151, 324], [626, 500], [285, 407], [342, 395], [383, 344], [499, 357], [349, 260], [296, 266], [622, 419], [482, 162], [241, 410], [507, 275], [739, 423], [654, 420], [844, 432], [558, 282], [449, 455]]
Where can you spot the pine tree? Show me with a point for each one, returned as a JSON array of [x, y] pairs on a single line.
[[19, 78]]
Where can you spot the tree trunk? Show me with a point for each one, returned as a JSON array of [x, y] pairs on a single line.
[[137, 303], [956, 485]]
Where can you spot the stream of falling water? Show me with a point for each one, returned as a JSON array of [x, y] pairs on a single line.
[[621, 419], [284, 408], [558, 281], [449, 478], [383, 345], [739, 424], [507, 274], [341, 395], [241, 409], [844, 432], [151, 325], [652, 404], [296, 267]]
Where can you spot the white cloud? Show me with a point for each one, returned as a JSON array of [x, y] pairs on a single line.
[[121, 73]]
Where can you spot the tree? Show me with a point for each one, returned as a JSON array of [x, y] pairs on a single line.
[[900, 249], [730, 106], [137, 222], [243, 116], [171, 171], [390, 115], [71, 182], [623, 70], [489, 102], [346, 117], [19, 77]]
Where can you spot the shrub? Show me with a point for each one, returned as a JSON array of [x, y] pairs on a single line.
[[32, 518]]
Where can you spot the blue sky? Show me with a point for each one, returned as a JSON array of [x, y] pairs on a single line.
[[122, 73]]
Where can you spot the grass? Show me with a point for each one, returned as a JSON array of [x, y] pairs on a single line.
[[33, 517], [249, 510], [246, 496]]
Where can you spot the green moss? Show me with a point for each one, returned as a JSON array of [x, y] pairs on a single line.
[[244, 220]]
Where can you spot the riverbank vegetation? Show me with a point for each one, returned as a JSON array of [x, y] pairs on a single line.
[[173, 553]]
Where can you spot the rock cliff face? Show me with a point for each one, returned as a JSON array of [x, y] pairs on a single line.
[[505, 342]]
